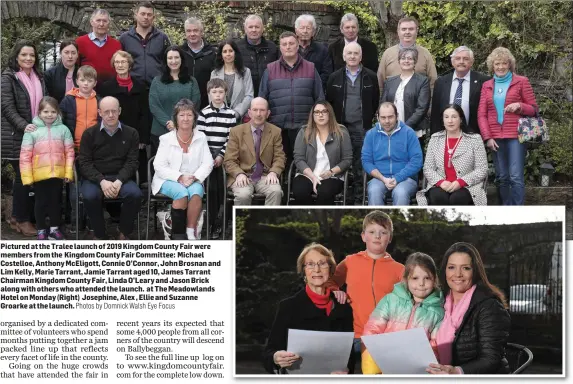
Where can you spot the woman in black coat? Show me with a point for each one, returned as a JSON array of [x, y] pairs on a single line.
[[62, 77], [313, 308], [19, 106], [410, 92], [133, 99], [476, 325]]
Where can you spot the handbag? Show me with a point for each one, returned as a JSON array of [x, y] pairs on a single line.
[[532, 129]]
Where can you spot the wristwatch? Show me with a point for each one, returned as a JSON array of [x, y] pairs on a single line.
[[332, 173]]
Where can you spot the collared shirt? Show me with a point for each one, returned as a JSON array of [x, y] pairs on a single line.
[[355, 76], [253, 129], [197, 50], [465, 93], [400, 46], [145, 40], [96, 40], [103, 127], [348, 41]]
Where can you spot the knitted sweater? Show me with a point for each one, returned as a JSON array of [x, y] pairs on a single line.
[[47, 153], [216, 124], [163, 97], [99, 58]]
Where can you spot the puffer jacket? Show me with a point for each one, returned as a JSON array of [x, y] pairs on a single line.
[[397, 312], [47, 153], [200, 66], [16, 112], [479, 344], [291, 92], [256, 58], [55, 79]]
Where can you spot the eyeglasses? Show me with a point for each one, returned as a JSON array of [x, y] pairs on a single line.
[[122, 62], [321, 265], [111, 112], [320, 112]]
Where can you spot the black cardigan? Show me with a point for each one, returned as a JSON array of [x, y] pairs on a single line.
[[479, 344], [55, 79], [299, 312], [416, 99]]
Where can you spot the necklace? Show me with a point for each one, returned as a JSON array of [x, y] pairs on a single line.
[[451, 150], [183, 141]]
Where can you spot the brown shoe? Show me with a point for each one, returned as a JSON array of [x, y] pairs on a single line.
[[13, 223], [121, 236], [27, 229]]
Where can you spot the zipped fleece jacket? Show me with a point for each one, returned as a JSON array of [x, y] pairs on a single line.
[[398, 312], [256, 58], [147, 60], [367, 282], [47, 153], [397, 155], [291, 92], [200, 65]]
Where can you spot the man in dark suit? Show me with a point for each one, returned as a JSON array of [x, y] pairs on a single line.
[[349, 29], [461, 86]]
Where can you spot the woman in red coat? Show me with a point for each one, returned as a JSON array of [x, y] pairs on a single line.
[[504, 99]]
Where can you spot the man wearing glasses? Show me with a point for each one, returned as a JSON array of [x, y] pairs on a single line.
[[108, 162], [353, 92]]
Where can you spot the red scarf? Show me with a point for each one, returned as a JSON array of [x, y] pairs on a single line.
[[125, 82], [321, 301]]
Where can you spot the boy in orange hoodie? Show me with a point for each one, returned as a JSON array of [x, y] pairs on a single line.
[[371, 274]]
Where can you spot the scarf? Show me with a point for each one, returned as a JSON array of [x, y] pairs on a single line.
[[125, 82], [453, 316], [321, 301], [34, 87], [500, 87]]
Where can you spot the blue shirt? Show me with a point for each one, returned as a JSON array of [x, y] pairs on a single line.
[[351, 76], [102, 127], [98, 42]]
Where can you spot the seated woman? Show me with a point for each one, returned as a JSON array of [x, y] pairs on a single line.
[[313, 308], [475, 329], [182, 163], [456, 164], [322, 153]]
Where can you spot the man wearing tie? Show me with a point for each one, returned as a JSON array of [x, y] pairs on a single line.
[[461, 86]]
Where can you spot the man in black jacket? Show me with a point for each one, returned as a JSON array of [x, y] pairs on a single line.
[[353, 92], [446, 87], [108, 162], [349, 29], [256, 51], [200, 56], [310, 50]]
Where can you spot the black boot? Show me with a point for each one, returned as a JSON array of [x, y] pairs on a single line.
[[178, 224]]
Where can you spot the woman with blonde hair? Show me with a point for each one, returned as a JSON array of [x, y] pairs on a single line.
[[322, 154], [504, 100]]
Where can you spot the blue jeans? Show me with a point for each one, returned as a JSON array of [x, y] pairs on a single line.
[[509, 162], [401, 194], [177, 191]]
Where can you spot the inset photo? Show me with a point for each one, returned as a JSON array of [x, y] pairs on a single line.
[[419, 291]]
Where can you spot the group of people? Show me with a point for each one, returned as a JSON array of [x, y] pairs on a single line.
[[464, 316], [256, 109]]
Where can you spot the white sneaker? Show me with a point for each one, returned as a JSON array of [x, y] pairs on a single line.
[[191, 234]]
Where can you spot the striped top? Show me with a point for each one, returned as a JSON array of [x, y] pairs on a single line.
[[216, 123]]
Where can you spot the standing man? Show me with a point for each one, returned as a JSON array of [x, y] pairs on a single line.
[[97, 47], [316, 53], [257, 51], [292, 86], [354, 94], [393, 157], [461, 86], [200, 56], [145, 43], [254, 159], [389, 66], [349, 29]]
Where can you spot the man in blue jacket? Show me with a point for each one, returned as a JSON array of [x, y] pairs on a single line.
[[393, 157]]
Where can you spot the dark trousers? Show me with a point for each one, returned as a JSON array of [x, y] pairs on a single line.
[[48, 202], [437, 196], [217, 191], [154, 142], [357, 140], [289, 138], [22, 203], [326, 191], [93, 198], [143, 165]]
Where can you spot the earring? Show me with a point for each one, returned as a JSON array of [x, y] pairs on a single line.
[[304, 279]]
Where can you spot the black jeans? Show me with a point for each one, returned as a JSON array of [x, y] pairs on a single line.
[[48, 195], [327, 191], [289, 138], [437, 196], [22, 203], [357, 140], [217, 194]]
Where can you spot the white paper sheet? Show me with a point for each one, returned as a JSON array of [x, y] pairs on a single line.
[[403, 352], [321, 352]]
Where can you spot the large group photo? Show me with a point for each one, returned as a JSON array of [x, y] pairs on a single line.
[[151, 120], [412, 291]]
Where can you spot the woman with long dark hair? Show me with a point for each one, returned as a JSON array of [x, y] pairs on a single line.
[[229, 67], [322, 154], [174, 84], [456, 164], [61, 77], [475, 329], [22, 89]]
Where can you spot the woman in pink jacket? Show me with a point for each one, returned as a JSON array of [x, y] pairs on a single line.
[[504, 99]]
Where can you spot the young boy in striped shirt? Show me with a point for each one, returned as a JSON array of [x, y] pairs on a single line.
[[216, 121]]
